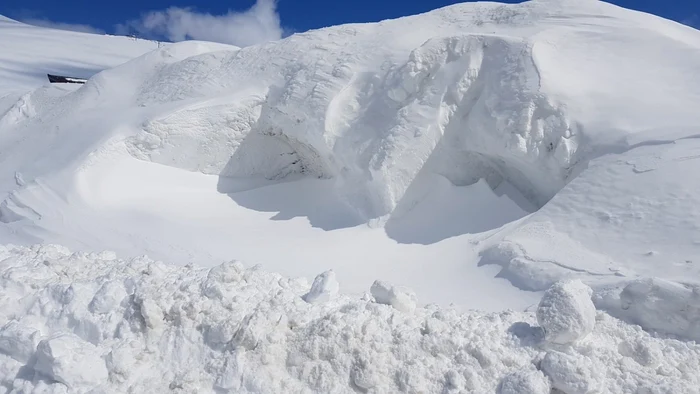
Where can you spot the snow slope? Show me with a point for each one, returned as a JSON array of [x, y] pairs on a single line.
[[29, 53], [412, 150]]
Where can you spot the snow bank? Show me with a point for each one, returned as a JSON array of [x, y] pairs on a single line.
[[78, 322], [656, 304]]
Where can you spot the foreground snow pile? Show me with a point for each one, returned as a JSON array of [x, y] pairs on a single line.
[[76, 322]]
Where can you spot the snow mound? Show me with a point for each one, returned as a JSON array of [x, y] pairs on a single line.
[[566, 312], [163, 327], [31, 52], [657, 305]]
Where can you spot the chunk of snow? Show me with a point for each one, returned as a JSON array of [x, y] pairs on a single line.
[[572, 374], [221, 277], [401, 298], [566, 312], [380, 291], [107, 297], [324, 288], [647, 354], [68, 359], [152, 314], [524, 382], [18, 341]]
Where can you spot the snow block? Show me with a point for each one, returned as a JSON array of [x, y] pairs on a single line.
[[571, 374], [107, 297], [324, 288], [222, 277], [18, 341], [524, 382], [68, 359], [566, 312], [380, 291], [400, 298]]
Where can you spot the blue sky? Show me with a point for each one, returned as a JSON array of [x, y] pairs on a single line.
[[213, 19]]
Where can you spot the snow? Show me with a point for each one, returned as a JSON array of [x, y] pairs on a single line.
[[566, 312], [324, 288], [656, 304], [571, 374], [237, 328], [18, 341], [524, 382], [402, 299], [455, 138], [67, 359], [479, 156], [30, 52]]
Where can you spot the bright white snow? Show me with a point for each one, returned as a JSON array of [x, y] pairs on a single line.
[[29, 53], [566, 312], [240, 329], [478, 154], [441, 131]]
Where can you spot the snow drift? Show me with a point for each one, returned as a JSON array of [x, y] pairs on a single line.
[[30, 52]]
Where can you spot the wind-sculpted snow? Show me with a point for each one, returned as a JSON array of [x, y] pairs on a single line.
[[31, 52], [77, 322], [368, 113], [371, 131]]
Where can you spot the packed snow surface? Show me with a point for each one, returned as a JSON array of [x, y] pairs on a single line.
[[536, 156], [81, 322]]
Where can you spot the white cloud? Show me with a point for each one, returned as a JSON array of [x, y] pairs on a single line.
[[258, 24], [62, 26]]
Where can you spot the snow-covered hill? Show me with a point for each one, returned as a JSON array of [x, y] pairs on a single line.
[[187, 152], [478, 154], [29, 53]]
